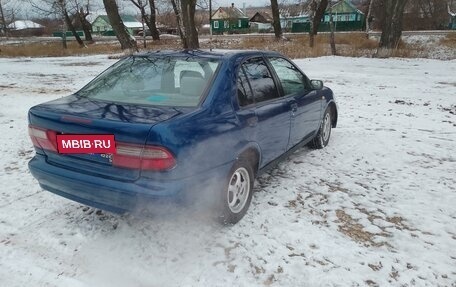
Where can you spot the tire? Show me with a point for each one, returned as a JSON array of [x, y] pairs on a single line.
[[324, 132], [237, 193]]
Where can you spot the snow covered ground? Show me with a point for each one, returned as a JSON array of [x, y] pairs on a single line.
[[377, 207]]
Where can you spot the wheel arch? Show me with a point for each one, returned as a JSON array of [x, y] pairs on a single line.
[[334, 113], [252, 154]]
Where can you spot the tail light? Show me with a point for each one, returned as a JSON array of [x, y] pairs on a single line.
[[145, 158], [127, 155], [43, 139]]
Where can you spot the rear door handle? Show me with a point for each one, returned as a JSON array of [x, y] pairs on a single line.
[[252, 121]]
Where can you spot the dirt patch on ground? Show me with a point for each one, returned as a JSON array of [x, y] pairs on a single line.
[[353, 229]]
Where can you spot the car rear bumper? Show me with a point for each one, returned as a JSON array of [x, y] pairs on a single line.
[[114, 195]]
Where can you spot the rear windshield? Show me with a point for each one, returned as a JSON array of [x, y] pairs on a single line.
[[164, 81]]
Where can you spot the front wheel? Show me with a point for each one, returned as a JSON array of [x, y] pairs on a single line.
[[237, 193], [322, 138]]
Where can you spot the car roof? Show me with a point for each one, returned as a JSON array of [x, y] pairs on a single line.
[[213, 54]]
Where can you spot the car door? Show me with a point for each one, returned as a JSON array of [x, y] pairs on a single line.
[[306, 103], [263, 109]]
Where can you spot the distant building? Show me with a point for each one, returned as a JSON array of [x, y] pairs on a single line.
[[452, 24], [345, 15], [229, 20], [287, 21], [102, 26], [25, 28], [344, 11], [261, 21]]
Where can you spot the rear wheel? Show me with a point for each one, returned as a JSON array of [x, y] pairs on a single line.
[[237, 193], [322, 138]]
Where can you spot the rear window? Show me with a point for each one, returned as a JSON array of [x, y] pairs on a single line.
[[164, 81]]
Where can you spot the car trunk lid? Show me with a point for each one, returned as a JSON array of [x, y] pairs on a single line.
[[130, 124]]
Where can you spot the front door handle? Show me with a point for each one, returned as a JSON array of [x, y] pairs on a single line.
[[294, 108]]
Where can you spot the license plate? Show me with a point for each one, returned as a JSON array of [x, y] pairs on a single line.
[[86, 144]]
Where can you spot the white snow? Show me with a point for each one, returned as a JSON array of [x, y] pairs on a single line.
[[133, 24], [374, 208], [24, 24]]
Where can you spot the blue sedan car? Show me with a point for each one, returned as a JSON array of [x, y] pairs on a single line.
[[171, 124]]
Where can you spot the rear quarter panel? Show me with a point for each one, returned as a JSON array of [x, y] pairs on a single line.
[[209, 137]]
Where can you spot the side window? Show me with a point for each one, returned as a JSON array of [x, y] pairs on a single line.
[[260, 79], [292, 80], [245, 95]]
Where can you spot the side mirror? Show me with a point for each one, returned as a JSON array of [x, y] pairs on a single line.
[[316, 84]]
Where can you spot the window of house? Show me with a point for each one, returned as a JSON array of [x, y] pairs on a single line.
[[240, 23], [226, 24], [216, 24]]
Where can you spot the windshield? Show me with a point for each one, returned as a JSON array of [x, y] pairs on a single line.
[[160, 81]]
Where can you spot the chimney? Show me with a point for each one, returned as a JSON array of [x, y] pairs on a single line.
[[232, 5]]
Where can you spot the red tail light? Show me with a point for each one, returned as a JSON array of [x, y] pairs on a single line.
[[44, 139], [146, 158]]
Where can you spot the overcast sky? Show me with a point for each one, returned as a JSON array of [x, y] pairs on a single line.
[[239, 3], [26, 11]]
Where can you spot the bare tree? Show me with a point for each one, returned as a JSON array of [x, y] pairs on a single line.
[[3, 26], [62, 5], [8, 10], [427, 14], [148, 19], [185, 16], [332, 38], [188, 8], [368, 18], [153, 20], [125, 39], [276, 19], [58, 8], [392, 27], [81, 11], [180, 24], [317, 11]]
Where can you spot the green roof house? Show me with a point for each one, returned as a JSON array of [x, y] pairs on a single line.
[[452, 24], [344, 11], [102, 26], [229, 20], [346, 17]]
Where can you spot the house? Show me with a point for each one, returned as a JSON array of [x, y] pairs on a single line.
[[287, 21], [344, 11], [102, 26], [261, 21], [25, 28], [452, 23], [346, 17], [229, 20]]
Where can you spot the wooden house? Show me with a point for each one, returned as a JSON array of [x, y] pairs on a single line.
[[452, 23], [345, 15], [102, 26], [261, 21], [229, 20]]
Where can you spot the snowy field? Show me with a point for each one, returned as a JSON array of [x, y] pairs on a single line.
[[377, 207]]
